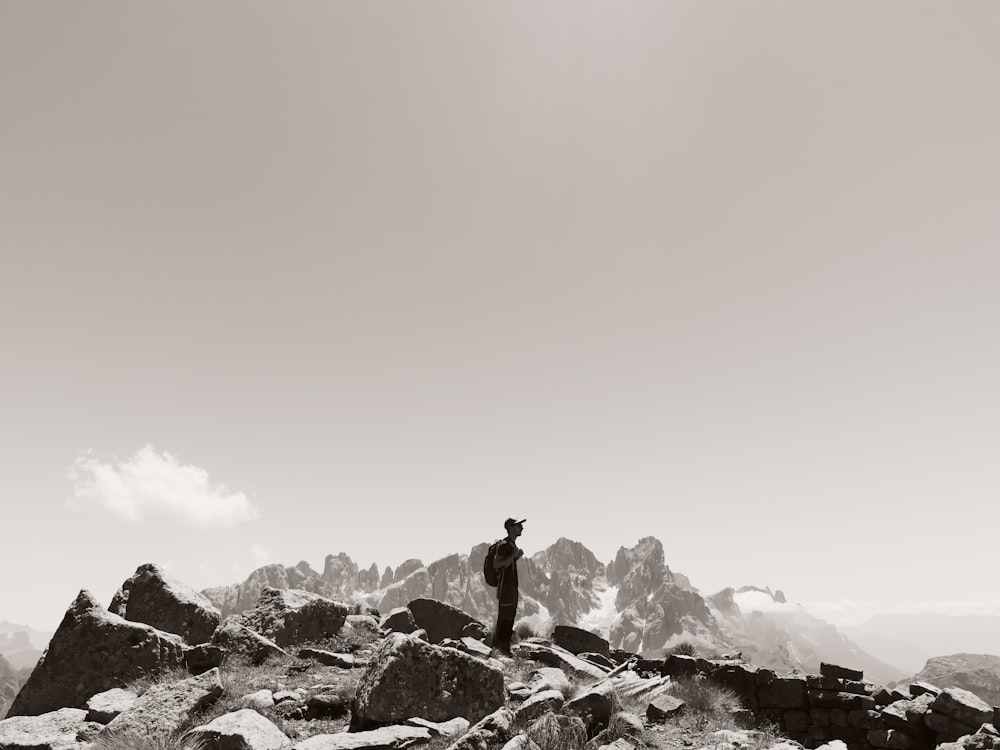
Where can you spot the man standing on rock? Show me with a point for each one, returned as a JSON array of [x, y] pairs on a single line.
[[505, 562]]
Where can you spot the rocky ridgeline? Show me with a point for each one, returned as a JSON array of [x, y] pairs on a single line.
[[425, 671], [653, 607]]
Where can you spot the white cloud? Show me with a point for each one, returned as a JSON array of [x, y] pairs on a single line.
[[156, 487], [760, 601]]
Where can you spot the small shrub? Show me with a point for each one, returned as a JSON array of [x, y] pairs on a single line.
[[141, 684], [524, 630], [518, 669], [704, 697], [684, 648], [549, 735]]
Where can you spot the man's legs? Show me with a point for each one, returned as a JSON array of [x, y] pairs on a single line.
[[506, 613]]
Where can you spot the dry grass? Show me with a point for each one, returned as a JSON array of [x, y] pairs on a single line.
[[549, 735], [130, 741], [704, 698], [141, 684], [518, 669], [684, 648], [348, 641], [240, 677]]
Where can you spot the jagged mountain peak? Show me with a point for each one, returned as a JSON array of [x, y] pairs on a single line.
[[566, 556]]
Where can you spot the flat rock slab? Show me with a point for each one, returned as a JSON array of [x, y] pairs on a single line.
[[385, 738], [331, 658], [241, 730], [454, 728], [55, 730], [104, 707], [554, 656], [163, 708], [839, 672]]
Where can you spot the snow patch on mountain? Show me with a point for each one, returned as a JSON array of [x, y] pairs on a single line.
[[603, 615]]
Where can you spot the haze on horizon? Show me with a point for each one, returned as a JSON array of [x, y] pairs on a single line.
[[280, 281]]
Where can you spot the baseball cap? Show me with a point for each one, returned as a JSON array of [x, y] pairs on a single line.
[[513, 522]]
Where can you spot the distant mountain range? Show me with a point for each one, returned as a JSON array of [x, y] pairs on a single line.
[[977, 673], [909, 640], [21, 645], [634, 600], [637, 602]]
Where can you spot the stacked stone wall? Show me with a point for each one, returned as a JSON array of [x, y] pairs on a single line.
[[839, 704]]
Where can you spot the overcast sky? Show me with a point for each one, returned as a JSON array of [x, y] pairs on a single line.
[[287, 279]]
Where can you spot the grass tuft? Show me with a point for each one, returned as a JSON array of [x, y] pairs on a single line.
[[684, 648], [131, 741], [549, 735]]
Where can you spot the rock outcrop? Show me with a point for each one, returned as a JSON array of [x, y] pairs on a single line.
[[290, 616], [407, 677], [94, 650], [654, 605], [233, 637], [240, 597], [977, 673], [155, 597]]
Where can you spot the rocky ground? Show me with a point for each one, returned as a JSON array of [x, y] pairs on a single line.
[[161, 669]]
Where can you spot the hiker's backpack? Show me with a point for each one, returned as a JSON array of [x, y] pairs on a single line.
[[489, 572]]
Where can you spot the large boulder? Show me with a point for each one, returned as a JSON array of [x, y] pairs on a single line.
[[155, 597], [579, 641], [233, 637], [408, 677], [240, 730], [399, 620], [163, 708], [292, 616], [91, 651], [595, 705], [440, 620], [56, 730], [963, 706]]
